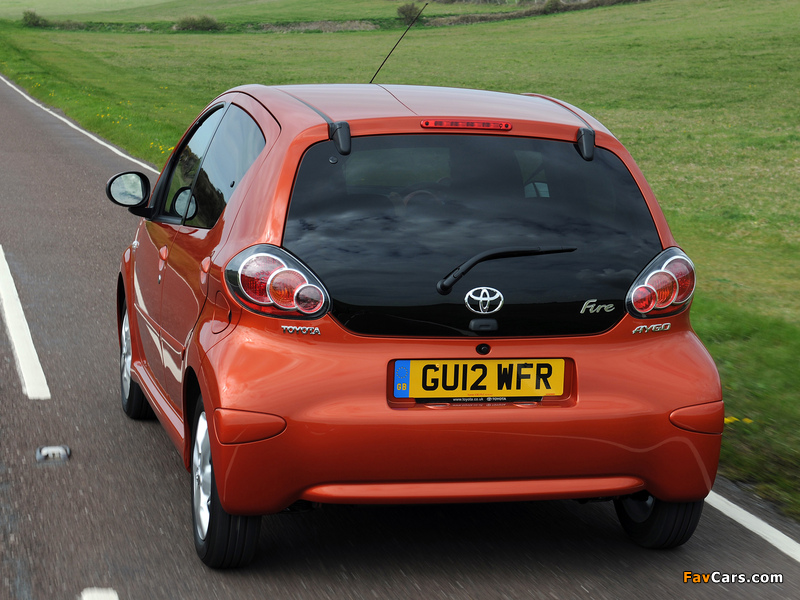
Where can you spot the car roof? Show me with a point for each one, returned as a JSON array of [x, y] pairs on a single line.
[[351, 102]]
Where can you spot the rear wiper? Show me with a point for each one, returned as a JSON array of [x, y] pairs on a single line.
[[447, 282]]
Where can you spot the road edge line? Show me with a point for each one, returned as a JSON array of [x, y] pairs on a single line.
[[779, 540], [92, 137], [29, 368]]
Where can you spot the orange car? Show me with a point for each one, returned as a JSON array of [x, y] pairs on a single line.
[[396, 294]]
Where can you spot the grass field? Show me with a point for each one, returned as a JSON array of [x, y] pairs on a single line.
[[703, 92], [234, 11]]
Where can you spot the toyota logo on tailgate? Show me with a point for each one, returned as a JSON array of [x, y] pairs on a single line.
[[484, 300]]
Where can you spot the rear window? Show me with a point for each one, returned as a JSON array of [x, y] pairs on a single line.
[[383, 225]]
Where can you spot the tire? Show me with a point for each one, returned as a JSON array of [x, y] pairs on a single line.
[[134, 404], [653, 523], [222, 541]]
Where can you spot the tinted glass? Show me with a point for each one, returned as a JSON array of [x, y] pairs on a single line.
[[236, 144], [382, 226], [189, 159]]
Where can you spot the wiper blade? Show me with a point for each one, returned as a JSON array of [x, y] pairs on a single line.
[[447, 282]]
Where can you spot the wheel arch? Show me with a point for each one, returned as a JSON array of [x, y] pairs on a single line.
[[123, 275], [120, 301], [198, 376], [191, 390]]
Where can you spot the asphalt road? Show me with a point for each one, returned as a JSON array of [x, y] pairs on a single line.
[[117, 515]]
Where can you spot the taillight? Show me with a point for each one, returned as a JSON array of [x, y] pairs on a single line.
[[309, 299], [664, 287], [272, 281], [254, 274], [644, 298], [683, 270], [282, 286]]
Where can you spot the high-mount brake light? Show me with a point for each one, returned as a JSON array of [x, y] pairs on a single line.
[[269, 280], [664, 287], [466, 124]]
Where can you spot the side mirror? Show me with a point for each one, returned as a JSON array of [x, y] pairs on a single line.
[[131, 189], [185, 205]]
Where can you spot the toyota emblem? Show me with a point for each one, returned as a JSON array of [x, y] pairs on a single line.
[[484, 300]]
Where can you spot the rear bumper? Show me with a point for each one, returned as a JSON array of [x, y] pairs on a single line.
[[638, 418], [433, 458]]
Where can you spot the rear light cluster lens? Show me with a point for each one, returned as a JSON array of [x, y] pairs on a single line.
[[254, 277], [664, 287], [270, 280], [683, 270], [644, 298]]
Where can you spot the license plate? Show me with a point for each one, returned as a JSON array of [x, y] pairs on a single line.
[[478, 380]]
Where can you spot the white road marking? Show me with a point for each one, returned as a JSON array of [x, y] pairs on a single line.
[[98, 594], [781, 541], [777, 539], [31, 375], [76, 128]]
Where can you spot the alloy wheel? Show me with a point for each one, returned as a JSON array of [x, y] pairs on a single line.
[[125, 356], [201, 476]]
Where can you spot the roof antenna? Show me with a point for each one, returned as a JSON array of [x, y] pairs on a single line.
[[398, 43]]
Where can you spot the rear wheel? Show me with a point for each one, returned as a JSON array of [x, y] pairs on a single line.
[[134, 404], [653, 523], [221, 540]]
